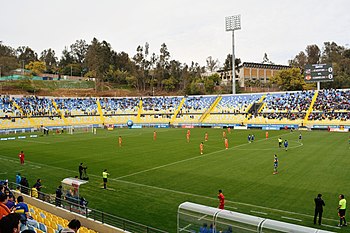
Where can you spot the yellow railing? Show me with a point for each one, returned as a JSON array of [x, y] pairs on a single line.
[[99, 109], [139, 111], [177, 110], [310, 108], [210, 109]]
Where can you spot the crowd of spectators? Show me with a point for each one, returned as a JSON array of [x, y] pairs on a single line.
[[113, 106], [36, 106], [332, 100], [330, 104], [77, 106], [161, 104], [290, 101]]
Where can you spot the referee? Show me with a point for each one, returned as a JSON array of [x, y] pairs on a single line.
[[105, 175], [341, 210]]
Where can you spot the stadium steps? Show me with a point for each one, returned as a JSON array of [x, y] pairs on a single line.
[[177, 110], [17, 106], [210, 109], [99, 109], [310, 108], [139, 111], [59, 111]]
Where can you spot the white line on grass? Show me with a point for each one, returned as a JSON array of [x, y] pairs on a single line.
[[274, 148], [33, 141], [15, 161], [231, 207], [258, 212], [331, 226], [295, 219], [185, 160]]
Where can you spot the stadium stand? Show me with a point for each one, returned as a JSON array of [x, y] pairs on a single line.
[[298, 107]]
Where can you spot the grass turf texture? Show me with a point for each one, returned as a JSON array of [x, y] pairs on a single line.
[[151, 178]]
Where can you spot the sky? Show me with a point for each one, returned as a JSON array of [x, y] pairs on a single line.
[[192, 29]]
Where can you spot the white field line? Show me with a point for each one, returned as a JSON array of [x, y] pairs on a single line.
[[258, 212], [189, 159], [295, 219], [17, 162], [274, 148], [331, 226], [231, 207], [33, 141]]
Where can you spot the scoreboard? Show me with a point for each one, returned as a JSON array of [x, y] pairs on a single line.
[[318, 73]]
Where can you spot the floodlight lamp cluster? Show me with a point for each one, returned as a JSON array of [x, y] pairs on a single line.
[[233, 22]]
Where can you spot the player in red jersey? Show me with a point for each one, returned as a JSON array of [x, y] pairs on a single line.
[[226, 143], [120, 140], [154, 135], [267, 135], [221, 200], [206, 136], [201, 147], [21, 157]]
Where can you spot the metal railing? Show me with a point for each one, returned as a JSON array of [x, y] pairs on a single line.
[[74, 205]]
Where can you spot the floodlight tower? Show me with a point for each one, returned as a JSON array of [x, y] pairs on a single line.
[[233, 23]]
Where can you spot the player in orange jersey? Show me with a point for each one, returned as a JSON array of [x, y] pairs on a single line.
[[120, 141], [188, 137], [154, 135], [267, 135], [206, 136], [189, 132], [224, 134], [226, 143], [201, 147]]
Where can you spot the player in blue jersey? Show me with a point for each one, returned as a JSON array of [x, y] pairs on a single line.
[[249, 137], [285, 143], [275, 165]]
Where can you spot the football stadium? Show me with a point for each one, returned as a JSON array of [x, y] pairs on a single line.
[[97, 140]]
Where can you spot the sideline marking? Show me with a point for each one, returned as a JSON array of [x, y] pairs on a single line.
[[258, 212], [330, 226], [185, 160], [15, 161], [295, 219]]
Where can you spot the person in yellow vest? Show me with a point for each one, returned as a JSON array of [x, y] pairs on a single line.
[[341, 210], [280, 142], [105, 175], [34, 192]]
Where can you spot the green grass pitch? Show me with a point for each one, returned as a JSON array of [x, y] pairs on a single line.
[[151, 178]]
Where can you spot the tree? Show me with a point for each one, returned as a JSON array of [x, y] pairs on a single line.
[[313, 54], [50, 60], [299, 61], [212, 64], [8, 60], [289, 79], [79, 50], [26, 55], [36, 67]]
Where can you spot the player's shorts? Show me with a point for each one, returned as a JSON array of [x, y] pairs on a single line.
[[275, 165], [105, 180], [341, 212]]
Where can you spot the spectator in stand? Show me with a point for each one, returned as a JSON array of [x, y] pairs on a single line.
[[11, 202], [38, 187], [58, 195], [24, 185], [73, 226], [10, 224], [18, 179], [4, 210], [22, 208]]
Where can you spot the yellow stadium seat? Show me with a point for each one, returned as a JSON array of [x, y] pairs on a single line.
[[50, 230]]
